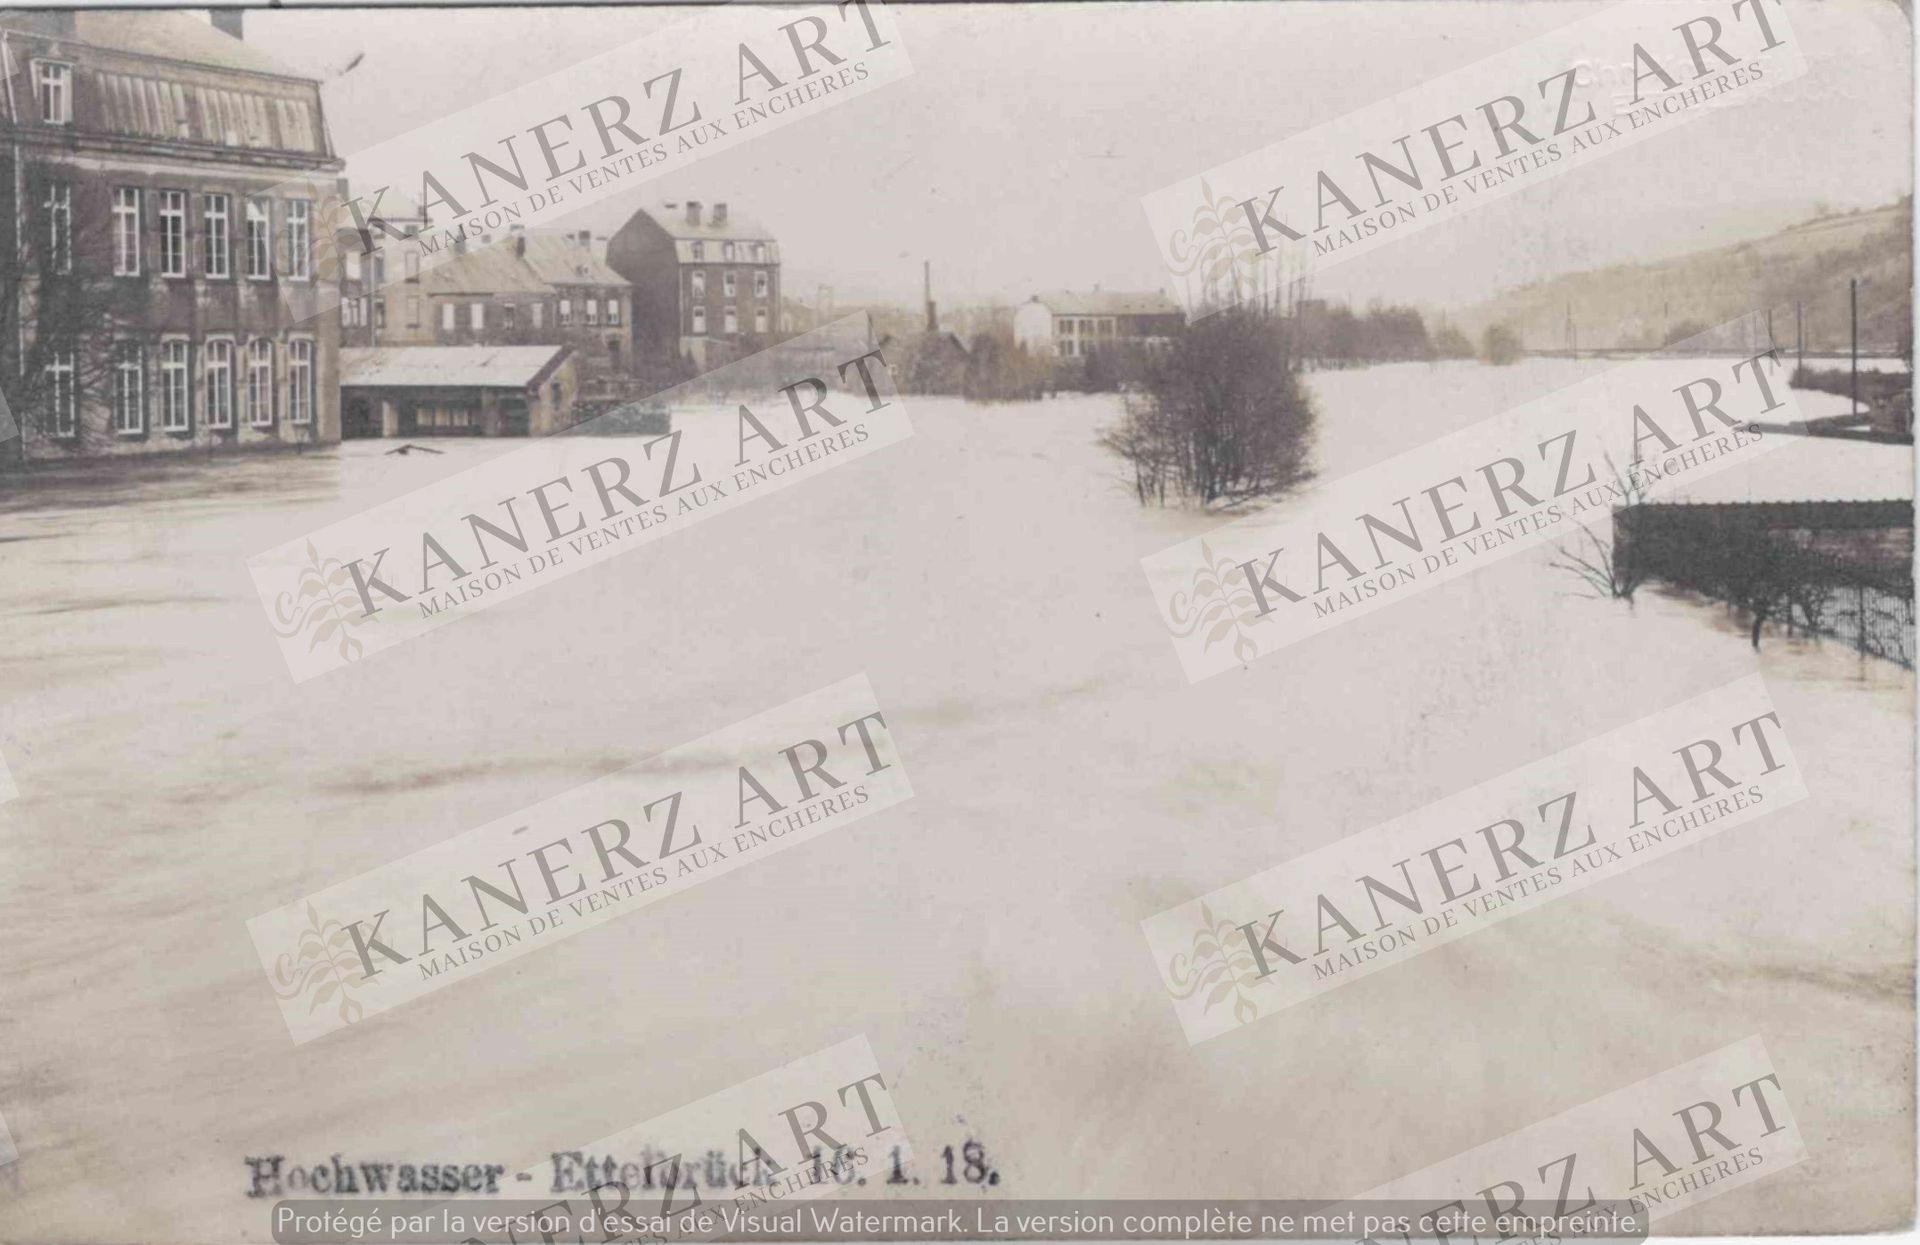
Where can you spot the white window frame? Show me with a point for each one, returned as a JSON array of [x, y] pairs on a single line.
[[410, 262], [259, 239], [217, 359], [413, 311], [176, 417], [59, 206], [60, 384], [449, 316], [699, 319], [173, 234], [732, 320], [566, 313], [216, 215], [539, 313], [477, 317], [592, 313], [254, 413], [613, 312], [759, 252], [729, 286], [699, 282], [760, 319], [129, 358], [299, 217], [726, 251], [699, 250], [761, 283], [300, 397], [126, 231], [53, 84]]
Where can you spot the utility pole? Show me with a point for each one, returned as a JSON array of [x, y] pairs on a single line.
[[1853, 333]]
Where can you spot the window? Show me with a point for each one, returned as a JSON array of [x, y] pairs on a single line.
[[299, 239], [126, 232], [411, 262], [53, 84], [378, 266], [699, 250], [759, 252], [60, 226], [219, 359], [173, 386], [413, 311], [760, 320], [173, 233], [508, 314], [726, 251], [733, 320], [476, 316], [448, 313], [699, 319], [380, 313], [350, 313], [260, 383], [259, 230], [299, 381], [728, 285], [566, 312], [219, 236], [613, 310], [62, 402], [539, 313], [699, 283], [351, 262], [760, 283], [593, 311], [129, 391]]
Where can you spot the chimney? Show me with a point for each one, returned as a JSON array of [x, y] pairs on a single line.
[[693, 211], [719, 214], [227, 21]]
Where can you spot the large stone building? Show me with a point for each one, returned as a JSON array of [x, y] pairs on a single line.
[[706, 282], [166, 295]]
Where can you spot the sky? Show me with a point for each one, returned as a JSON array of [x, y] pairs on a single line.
[[1015, 156]]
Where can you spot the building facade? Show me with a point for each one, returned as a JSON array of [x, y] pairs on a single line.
[[160, 199], [706, 281], [522, 290], [1069, 325]]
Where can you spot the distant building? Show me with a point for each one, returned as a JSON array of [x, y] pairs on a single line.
[[528, 289], [706, 282], [147, 193], [1068, 325], [457, 391], [367, 302]]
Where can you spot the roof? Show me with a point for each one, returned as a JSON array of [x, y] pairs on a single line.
[[561, 260], [671, 216], [174, 35], [492, 269], [1108, 303], [479, 367]]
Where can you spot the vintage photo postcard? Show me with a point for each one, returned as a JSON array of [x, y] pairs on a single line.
[[877, 621]]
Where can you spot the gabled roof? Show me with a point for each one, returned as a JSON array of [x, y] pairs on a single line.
[[473, 367], [561, 260], [493, 269], [1107, 303]]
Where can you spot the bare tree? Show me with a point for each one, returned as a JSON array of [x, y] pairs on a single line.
[[1613, 567]]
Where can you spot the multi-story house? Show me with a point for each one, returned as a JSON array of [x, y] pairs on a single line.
[[706, 285], [160, 198], [526, 289], [370, 299], [1070, 325]]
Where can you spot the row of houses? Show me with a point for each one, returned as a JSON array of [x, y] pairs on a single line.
[[164, 292]]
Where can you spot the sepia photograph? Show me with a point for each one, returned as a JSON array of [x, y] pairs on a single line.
[[1265, 499]]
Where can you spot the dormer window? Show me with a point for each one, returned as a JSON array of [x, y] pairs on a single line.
[[726, 251], [53, 84], [699, 250]]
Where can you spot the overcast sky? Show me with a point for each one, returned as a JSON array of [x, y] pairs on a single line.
[[1016, 155]]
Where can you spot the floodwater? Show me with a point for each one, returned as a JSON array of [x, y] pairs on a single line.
[[175, 782]]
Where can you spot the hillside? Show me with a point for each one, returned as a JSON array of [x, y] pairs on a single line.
[[1631, 305]]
